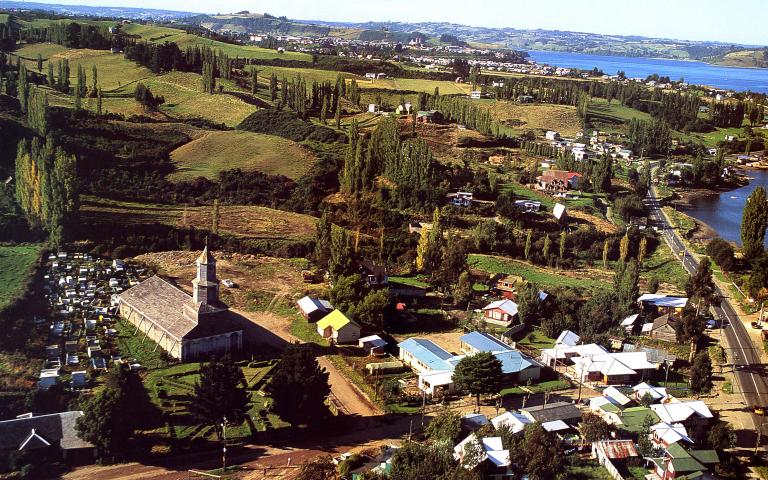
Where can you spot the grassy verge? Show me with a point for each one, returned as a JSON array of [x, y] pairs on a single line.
[[663, 265], [138, 346], [537, 340]]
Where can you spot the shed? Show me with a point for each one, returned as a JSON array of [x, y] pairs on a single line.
[[373, 343], [314, 309], [337, 327]]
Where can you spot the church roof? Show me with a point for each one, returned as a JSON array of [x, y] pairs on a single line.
[[164, 305], [36, 431]]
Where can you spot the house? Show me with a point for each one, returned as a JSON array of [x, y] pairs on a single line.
[[373, 108], [524, 99], [374, 344], [528, 206], [562, 355], [370, 75], [552, 136], [557, 181], [568, 339], [613, 455], [45, 433], [338, 328], [565, 411], [640, 391], [625, 154], [515, 421], [185, 327], [500, 312], [677, 462], [661, 304], [694, 415], [460, 199], [616, 397], [629, 323], [662, 328], [494, 461], [476, 342], [518, 367], [314, 309], [613, 368], [374, 274], [663, 434], [508, 285], [476, 95]]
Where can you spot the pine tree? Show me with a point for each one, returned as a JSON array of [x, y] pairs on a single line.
[[220, 393], [701, 373], [299, 386], [478, 374]]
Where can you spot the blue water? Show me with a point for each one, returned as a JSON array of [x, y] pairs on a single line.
[[723, 212], [699, 73]]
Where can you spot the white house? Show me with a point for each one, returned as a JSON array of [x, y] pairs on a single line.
[[552, 135], [515, 421], [500, 312], [476, 94]]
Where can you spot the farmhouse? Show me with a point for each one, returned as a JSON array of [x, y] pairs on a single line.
[[337, 327], [185, 327], [46, 433], [313, 309], [500, 312], [552, 135]]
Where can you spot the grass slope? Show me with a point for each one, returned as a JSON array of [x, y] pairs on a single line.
[[239, 221], [561, 118], [217, 151], [16, 265]]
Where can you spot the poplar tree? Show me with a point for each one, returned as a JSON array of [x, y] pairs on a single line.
[[273, 87], [50, 78], [562, 244], [754, 221], [98, 102], [528, 242], [40, 63], [22, 88], [624, 247], [254, 81], [94, 80], [642, 249], [606, 250], [215, 217], [545, 249]]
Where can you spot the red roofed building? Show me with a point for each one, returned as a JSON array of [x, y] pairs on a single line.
[[557, 181]]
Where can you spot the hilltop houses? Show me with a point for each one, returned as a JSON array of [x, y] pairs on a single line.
[[185, 327]]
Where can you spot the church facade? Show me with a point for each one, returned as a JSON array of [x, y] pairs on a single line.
[[186, 327]]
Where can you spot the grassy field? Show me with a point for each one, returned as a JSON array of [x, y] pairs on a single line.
[[217, 151], [540, 276], [309, 74], [239, 221], [154, 33], [541, 116], [614, 112], [418, 85], [664, 266], [31, 51], [16, 266]]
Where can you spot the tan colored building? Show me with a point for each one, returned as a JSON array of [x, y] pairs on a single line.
[[186, 327]]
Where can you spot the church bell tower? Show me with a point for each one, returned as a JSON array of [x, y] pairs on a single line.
[[205, 287]]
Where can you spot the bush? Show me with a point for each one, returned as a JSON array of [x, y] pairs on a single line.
[[630, 206], [288, 125], [722, 252]]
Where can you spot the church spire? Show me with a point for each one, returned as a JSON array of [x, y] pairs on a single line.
[[205, 287]]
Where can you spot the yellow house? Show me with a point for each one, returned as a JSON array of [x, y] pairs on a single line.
[[337, 327]]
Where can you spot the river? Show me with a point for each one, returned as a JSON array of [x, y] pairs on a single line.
[[699, 73], [723, 212]]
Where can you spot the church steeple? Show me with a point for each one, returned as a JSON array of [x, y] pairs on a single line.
[[205, 287]]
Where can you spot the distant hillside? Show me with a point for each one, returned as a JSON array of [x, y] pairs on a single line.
[[745, 58]]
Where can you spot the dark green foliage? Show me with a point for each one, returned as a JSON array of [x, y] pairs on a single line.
[[287, 125], [535, 453], [690, 326], [434, 461], [701, 373], [721, 436], [144, 96], [593, 428], [220, 393], [530, 309], [478, 374], [758, 279], [445, 426], [299, 387], [644, 444], [722, 253], [700, 287]]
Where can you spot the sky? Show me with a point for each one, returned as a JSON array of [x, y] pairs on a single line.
[[738, 21]]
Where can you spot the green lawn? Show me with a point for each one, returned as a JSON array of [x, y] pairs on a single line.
[[582, 469], [409, 281], [137, 346], [537, 340], [540, 276], [17, 264], [306, 331]]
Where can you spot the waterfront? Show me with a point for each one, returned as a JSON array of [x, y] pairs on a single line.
[[723, 211], [700, 73]]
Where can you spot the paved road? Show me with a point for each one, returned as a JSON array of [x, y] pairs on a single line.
[[742, 353]]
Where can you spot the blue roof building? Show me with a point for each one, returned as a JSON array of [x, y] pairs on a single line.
[[475, 342], [424, 355]]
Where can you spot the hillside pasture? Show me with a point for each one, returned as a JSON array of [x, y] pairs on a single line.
[[308, 74], [30, 52], [217, 151], [536, 116], [418, 85]]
